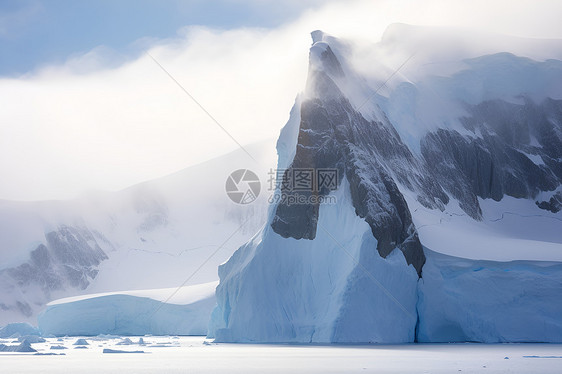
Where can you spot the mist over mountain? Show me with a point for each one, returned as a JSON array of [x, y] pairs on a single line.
[[151, 235], [447, 152]]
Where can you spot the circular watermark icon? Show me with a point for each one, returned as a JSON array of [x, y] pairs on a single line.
[[243, 186]]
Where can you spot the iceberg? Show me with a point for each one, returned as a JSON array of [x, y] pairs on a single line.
[[17, 330], [24, 346], [335, 288], [432, 161], [132, 313]]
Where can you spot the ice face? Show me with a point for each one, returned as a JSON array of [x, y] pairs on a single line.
[[136, 312], [492, 302], [335, 288]]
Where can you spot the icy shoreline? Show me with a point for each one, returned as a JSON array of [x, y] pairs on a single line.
[[178, 354]]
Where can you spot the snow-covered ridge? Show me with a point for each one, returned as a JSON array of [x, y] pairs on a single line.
[[180, 296]]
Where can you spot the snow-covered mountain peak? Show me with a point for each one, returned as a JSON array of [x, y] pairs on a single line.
[[322, 62], [317, 36], [416, 148]]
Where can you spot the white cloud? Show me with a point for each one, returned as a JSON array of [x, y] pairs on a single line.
[[63, 130], [89, 124]]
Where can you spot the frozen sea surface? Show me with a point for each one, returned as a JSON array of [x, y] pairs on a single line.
[[198, 355]]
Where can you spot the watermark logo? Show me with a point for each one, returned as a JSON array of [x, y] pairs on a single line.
[[303, 186], [301, 199], [303, 179], [293, 186], [243, 186]]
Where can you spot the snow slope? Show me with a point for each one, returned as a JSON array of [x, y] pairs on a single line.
[[511, 229]]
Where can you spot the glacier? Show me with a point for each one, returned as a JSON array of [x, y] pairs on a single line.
[[445, 226], [463, 300]]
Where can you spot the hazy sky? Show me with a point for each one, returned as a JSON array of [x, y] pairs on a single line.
[[36, 33], [83, 107]]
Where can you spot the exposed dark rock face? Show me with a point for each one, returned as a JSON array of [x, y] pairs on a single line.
[[554, 204], [505, 149], [369, 154], [497, 161], [69, 259], [77, 251], [40, 269]]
